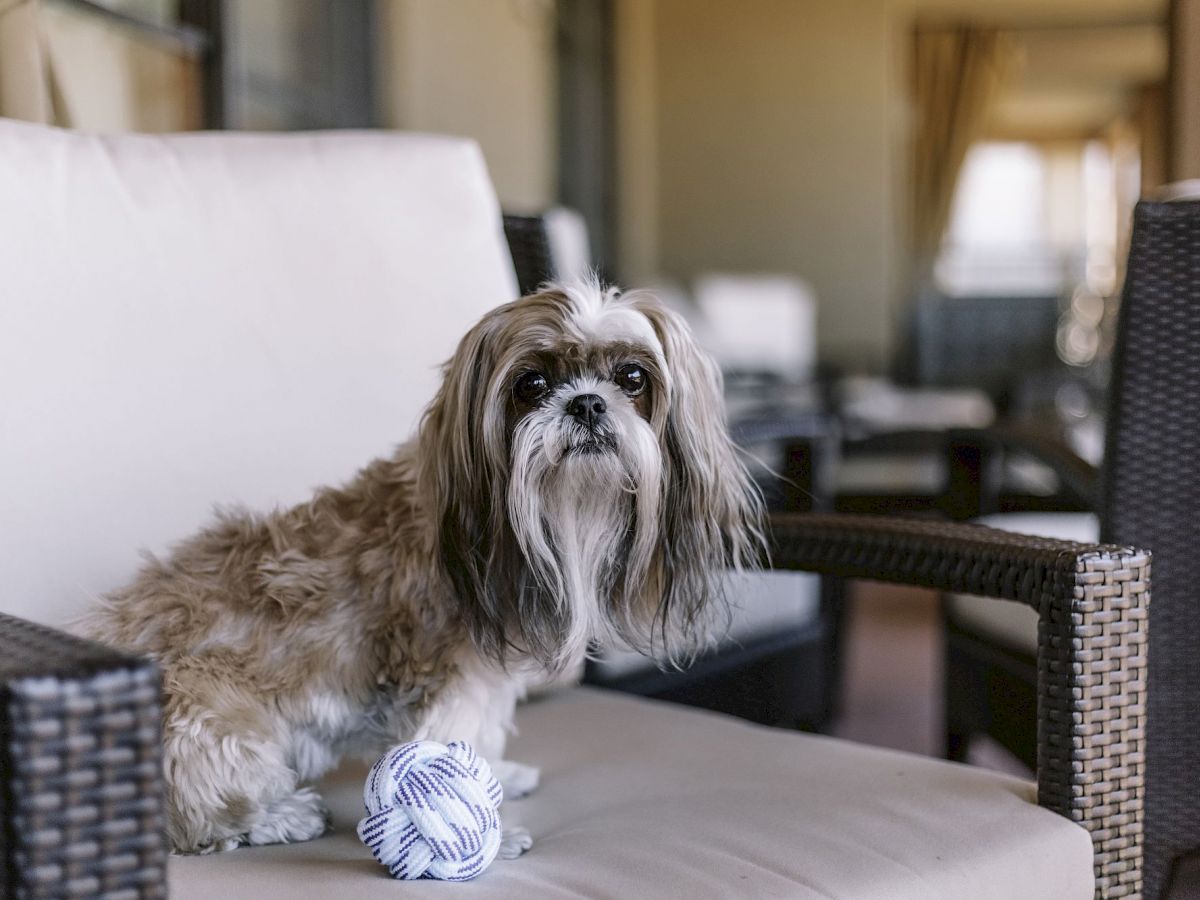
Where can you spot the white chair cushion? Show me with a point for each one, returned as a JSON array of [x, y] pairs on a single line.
[[759, 323], [647, 800], [915, 473], [884, 405], [1015, 624], [216, 318]]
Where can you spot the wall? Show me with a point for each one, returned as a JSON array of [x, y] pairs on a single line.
[[24, 88], [111, 78], [483, 68], [635, 48], [775, 135], [766, 134], [73, 67], [1185, 90]]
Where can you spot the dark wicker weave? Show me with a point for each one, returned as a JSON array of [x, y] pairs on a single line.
[[529, 245], [80, 769], [1092, 602], [1152, 498]]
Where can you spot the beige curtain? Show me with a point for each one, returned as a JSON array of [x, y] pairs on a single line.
[[71, 67], [957, 73]]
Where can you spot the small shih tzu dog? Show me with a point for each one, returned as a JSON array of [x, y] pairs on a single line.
[[572, 482]]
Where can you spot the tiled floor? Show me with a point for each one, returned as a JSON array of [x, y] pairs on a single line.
[[893, 675]]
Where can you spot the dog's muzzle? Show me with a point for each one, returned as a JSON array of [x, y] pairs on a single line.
[[590, 413], [588, 410]]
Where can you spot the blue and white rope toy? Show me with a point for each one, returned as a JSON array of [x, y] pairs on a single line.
[[432, 811]]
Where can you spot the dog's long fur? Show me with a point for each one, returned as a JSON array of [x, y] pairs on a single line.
[[419, 600]]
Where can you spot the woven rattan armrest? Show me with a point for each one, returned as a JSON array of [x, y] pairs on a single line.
[[1092, 604], [81, 807]]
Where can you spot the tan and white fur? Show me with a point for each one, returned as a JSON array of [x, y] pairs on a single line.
[[571, 483]]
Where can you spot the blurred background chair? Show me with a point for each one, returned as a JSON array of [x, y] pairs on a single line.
[[991, 343], [760, 328], [550, 246]]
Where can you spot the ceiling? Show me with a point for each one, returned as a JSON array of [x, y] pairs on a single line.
[[1039, 12], [1081, 63], [1074, 82]]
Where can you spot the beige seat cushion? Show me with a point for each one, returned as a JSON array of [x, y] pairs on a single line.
[[641, 799], [1014, 624]]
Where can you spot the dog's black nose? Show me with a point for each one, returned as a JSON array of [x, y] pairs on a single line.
[[587, 409]]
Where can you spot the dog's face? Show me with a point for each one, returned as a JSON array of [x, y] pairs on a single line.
[[583, 483]]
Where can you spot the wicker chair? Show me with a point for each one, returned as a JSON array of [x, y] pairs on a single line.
[[1148, 496], [1092, 602], [80, 798]]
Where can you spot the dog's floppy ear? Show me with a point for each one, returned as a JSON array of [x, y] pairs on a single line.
[[712, 513], [463, 480]]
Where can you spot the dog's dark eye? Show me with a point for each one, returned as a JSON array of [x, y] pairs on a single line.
[[631, 379], [531, 387]]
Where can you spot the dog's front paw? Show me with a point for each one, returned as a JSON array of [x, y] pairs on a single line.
[[298, 817], [514, 842], [518, 780], [221, 845]]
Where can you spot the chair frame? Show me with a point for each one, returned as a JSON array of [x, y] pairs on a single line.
[[989, 684]]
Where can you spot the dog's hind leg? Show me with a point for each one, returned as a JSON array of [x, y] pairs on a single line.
[[225, 790]]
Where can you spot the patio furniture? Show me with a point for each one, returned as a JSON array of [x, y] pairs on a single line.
[[238, 318]]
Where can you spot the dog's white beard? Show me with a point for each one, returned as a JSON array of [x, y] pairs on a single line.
[[586, 522], [586, 512]]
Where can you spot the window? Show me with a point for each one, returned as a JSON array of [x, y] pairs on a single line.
[[1031, 219]]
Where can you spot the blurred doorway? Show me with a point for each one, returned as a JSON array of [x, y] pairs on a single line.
[[285, 65], [586, 122]]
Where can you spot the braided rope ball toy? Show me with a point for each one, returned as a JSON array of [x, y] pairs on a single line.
[[432, 811]]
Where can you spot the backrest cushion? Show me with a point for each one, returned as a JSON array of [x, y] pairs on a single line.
[[215, 319]]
